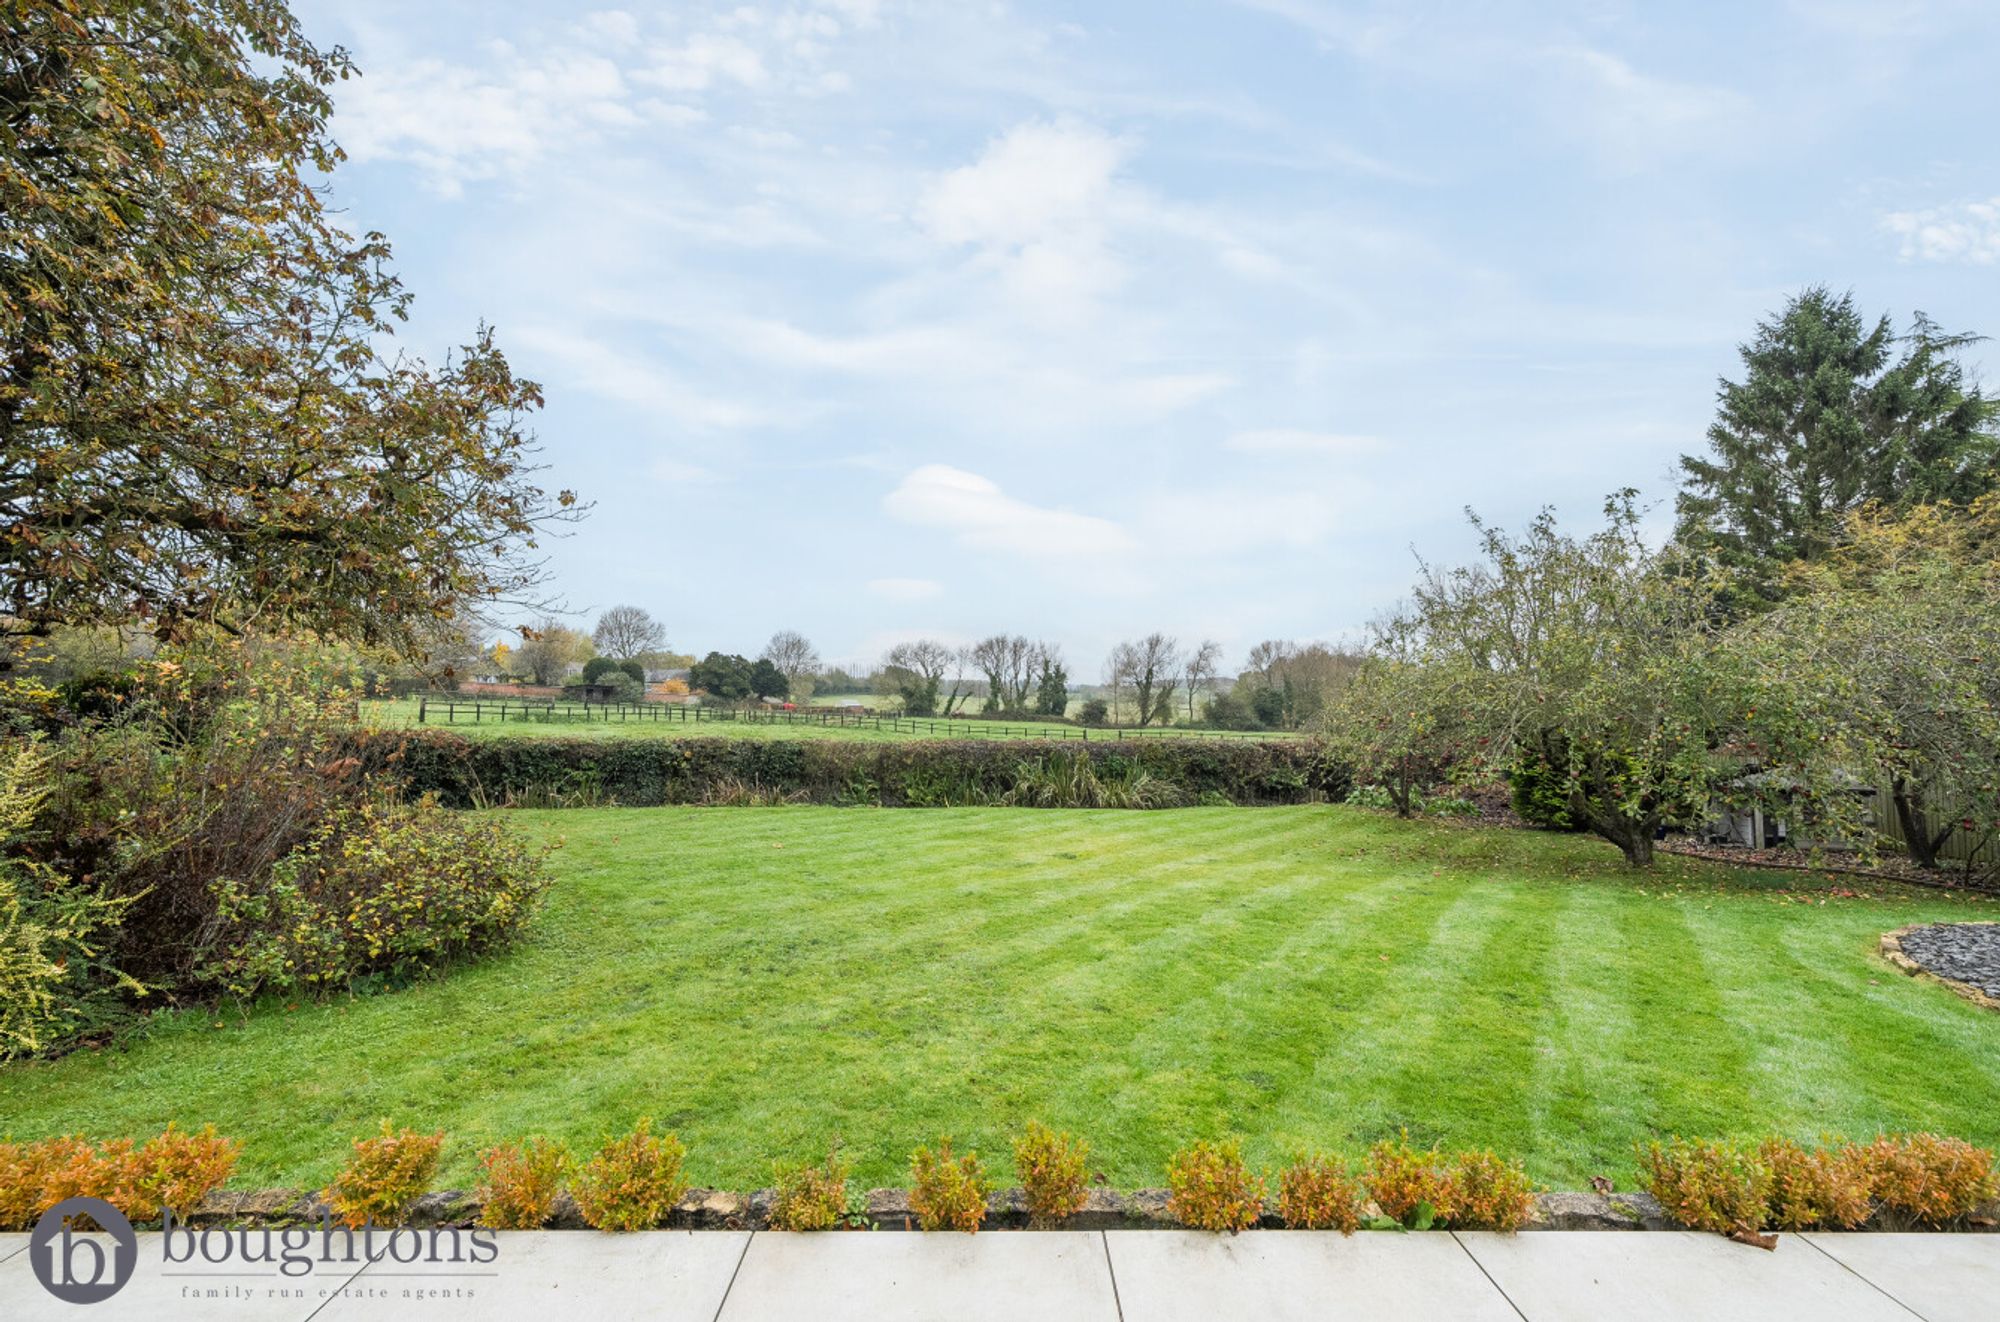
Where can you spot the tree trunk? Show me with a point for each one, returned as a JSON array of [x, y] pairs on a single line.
[[1910, 815]]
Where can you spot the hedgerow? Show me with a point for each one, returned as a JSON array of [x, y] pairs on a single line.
[[554, 772]]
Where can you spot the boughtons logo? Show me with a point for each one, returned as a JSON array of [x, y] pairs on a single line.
[[78, 1267]]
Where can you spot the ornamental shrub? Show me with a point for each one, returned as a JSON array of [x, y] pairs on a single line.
[[382, 892], [1489, 1193], [1817, 1188], [1930, 1179], [385, 1175], [1413, 1187], [519, 1183], [810, 1196], [1317, 1193], [946, 1192], [172, 1171], [1718, 1186], [1209, 1188], [633, 1182], [56, 982], [36, 1176], [1052, 1169]]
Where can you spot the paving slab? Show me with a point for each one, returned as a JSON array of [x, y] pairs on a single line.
[[1274, 1276], [1004, 1276], [11, 1243], [1675, 1275], [658, 1276], [1946, 1278], [162, 1292]]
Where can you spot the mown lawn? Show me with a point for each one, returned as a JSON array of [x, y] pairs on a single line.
[[762, 980]]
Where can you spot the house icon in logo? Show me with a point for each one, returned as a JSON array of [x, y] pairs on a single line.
[[81, 1267]]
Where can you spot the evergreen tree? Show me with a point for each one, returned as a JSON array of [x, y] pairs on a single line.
[[1833, 414]]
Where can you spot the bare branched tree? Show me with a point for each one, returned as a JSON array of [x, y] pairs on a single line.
[[1203, 663], [796, 659], [625, 632], [1150, 667], [1010, 665]]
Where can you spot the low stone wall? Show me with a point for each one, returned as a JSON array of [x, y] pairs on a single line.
[[889, 1209]]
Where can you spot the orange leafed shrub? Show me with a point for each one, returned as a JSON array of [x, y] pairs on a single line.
[[633, 1182], [1403, 1181], [810, 1197], [519, 1183], [1209, 1188], [1318, 1193], [1488, 1193], [174, 1170], [1928, 1178], [384, 1176], [1723, 1187], [1052, 1170], [71, 1167], [1815, 1188], [948, 1193]]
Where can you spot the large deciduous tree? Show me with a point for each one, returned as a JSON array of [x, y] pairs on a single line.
[[1601, 660], [1150, 667], [626, 633], [1907, 611], [1008, 663], [918, 672], [200, 420], [1833, 413], [548, 649], [796, 659]]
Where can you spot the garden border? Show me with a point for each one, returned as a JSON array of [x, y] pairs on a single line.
[[1006, 1209], [1892, 950]]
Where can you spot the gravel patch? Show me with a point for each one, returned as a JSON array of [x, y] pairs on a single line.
[[1964, 952]]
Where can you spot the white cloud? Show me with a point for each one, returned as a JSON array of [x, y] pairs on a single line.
[[905, 589], [459, 124], [1964, 232], [984, 517], [1292, 440], [1635, 116], [644, 384], [1037, 205], [701, 61]]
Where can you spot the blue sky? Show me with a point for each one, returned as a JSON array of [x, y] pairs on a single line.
[[878, 320]]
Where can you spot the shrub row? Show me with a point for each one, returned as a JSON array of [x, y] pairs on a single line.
[[634, 1181], [1743, 1189], [548, 772]]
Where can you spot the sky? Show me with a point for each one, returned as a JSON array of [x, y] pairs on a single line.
[[879, 320]]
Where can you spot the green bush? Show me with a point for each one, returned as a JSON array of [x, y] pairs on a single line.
[[55, 982], [1540, 793], [383, 892], [544, 771]]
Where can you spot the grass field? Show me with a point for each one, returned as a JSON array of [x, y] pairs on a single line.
[[401, 714], [761, 980]]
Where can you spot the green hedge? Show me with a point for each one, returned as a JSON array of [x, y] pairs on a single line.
[[541, 771]]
